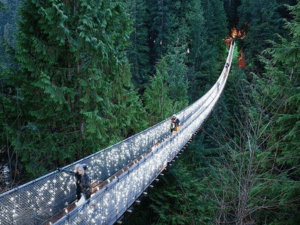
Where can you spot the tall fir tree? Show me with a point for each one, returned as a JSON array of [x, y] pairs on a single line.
[[231, 7], [160, 16], [207, 22], [10, 98], [216, 20], [138, 50], [167, 93], [282, 74], [166, 17], [157, 102], [177, 69], [202, 54], [260, 20], [74, 81]]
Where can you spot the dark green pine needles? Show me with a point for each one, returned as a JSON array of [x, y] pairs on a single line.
[[74, 80]]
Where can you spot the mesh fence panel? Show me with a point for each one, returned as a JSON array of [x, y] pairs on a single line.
[[134, 181], [38, 201]]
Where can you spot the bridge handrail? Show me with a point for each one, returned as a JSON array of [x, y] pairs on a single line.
[[107, 206], [26, 203]]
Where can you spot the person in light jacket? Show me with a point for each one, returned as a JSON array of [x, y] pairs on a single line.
[[83, 181]]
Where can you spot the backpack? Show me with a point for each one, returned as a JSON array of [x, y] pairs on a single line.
[[177, 121]]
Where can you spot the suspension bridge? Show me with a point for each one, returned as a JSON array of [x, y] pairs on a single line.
[[120, 173]]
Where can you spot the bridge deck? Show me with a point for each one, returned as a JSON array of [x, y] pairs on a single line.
[[120, 173]]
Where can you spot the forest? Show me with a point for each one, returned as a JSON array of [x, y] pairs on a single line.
[[77, 76]]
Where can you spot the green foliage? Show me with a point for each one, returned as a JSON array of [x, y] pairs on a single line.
[[74, 83], [282, 72], [283, 68], [72, 96], [167, 93], [177, 71], [138, 50], [231, 8], [157, 101], [160, 28], [260, 20], [207, 22], [8, 17], [215, 19], [242, 179]]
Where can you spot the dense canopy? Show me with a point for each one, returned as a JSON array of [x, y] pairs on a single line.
[[77, 76]]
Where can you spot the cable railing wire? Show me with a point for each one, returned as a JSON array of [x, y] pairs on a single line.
[[41, 199], [105, 207]]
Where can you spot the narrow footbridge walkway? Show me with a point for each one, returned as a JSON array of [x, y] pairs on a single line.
[[120, 173]]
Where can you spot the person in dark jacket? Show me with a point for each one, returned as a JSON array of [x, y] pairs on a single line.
[[177, 122], [174, 123], [227, 66], [83, 181]]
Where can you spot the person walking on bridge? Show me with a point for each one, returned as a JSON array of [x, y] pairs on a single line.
[[226, 71], [174, 123], [83, 182]]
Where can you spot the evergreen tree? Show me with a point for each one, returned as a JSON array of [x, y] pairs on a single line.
[[231, 7], [202, 54], [216, 20], [138, 50], [256, 180], [167, 93], [260, 20], [167, 16], [282, 74], [177, 70], [207, 21], [157, 102], [74, 81], [10, 97], [160, 16]]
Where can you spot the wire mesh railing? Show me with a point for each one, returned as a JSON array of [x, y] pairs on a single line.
[[109, 204], [40, 200]]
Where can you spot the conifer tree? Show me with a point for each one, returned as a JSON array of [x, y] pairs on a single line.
[[177, 70], [138, 50], [216, 20], [261, 21], [207, 22], [8, 19], [74, 80], [283, 68], [10, 126], [170, 83], [282, 72], [160, 14], [157, 102], [167, 17], [202, 54], [10, 97], [231, 7]]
